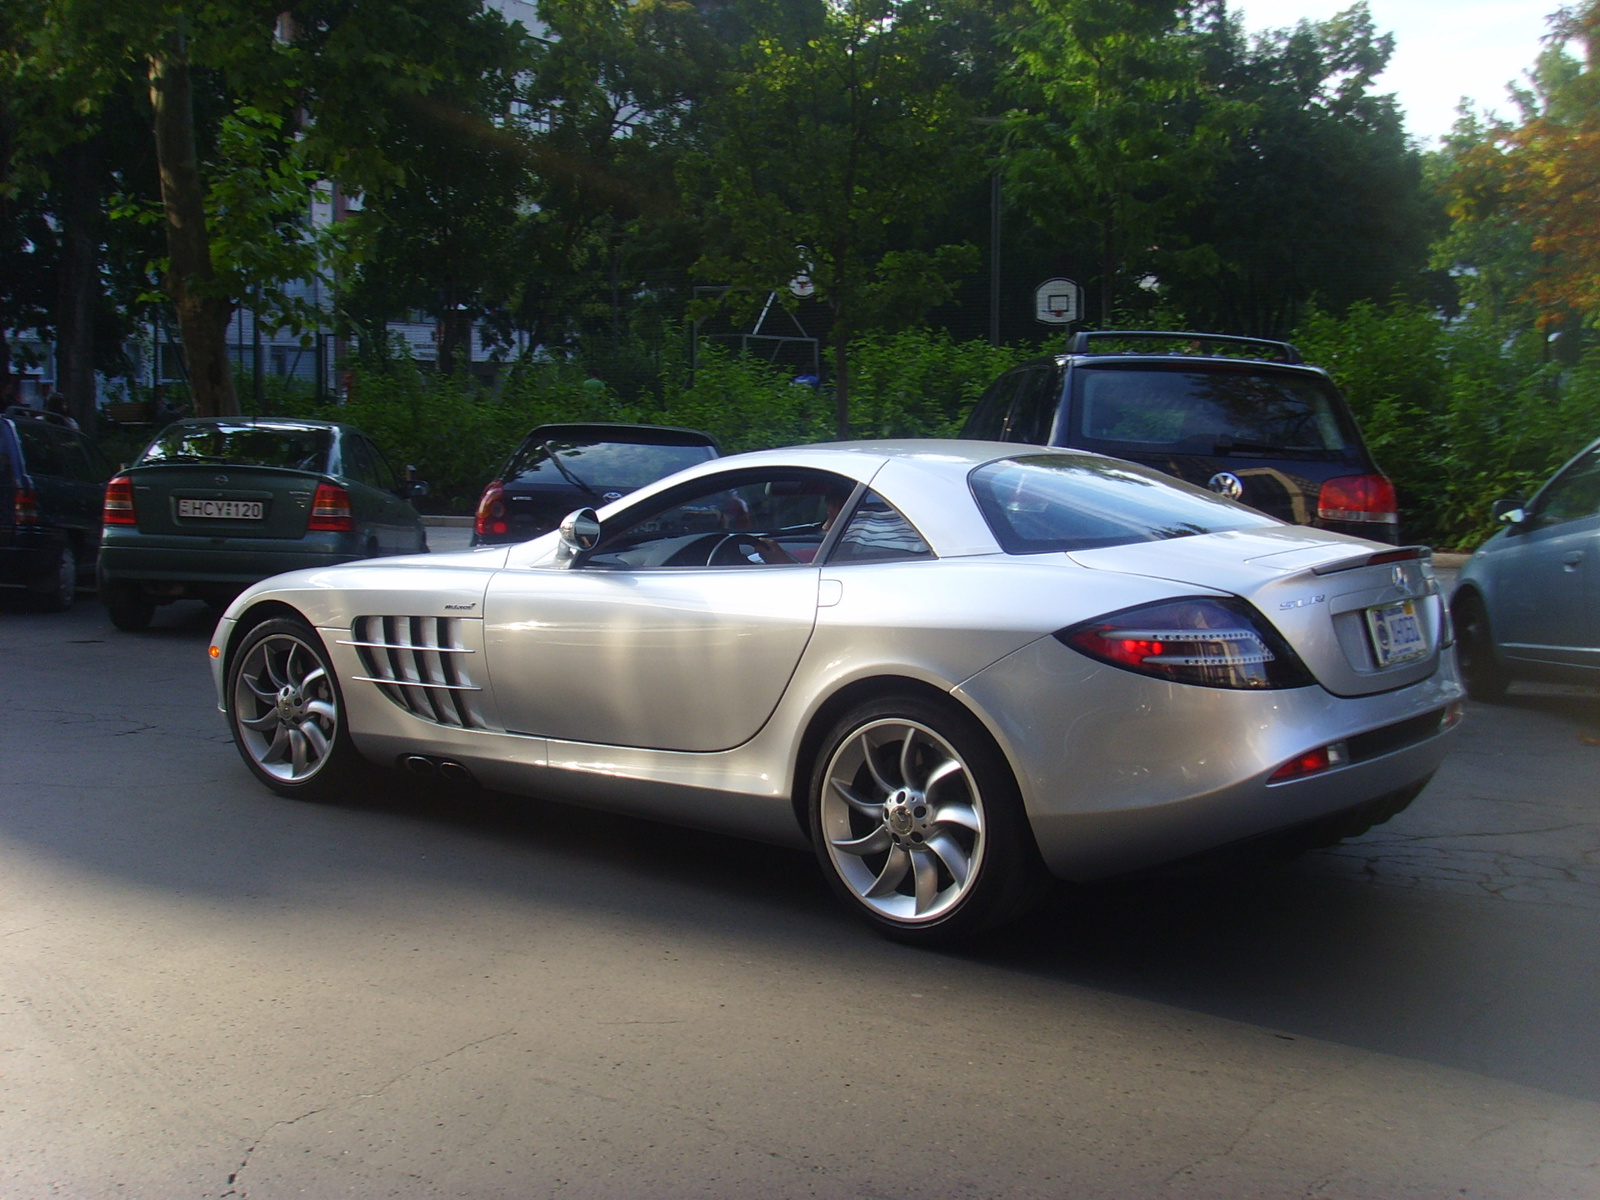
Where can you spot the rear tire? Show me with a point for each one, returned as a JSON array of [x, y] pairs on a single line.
[[287, 714], [918, 824], [126, 604], [55, 590], [1483, 671]]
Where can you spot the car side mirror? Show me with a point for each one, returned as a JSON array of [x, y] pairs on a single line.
[[580, 533], [1509, 512]]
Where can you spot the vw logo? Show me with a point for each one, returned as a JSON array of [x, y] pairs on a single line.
[[1226, 483]]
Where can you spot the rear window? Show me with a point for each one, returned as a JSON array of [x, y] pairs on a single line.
[[622, 466], [1052, 502], [242, 446], [1144, 409]]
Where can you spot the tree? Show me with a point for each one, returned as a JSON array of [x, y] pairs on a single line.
[[1536, 183], [1115, 133], [294, 93], [1318, 193], [826, 156]]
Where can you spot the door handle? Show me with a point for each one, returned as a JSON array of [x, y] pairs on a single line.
[[1571, 559]]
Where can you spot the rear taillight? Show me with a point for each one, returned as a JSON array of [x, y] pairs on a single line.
[[1358, 498], [330, 510], [1211, 642], [491, 518], [25, 507], [118, 508], [1323, 758]]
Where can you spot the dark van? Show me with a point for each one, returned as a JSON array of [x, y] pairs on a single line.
[[51, 481]]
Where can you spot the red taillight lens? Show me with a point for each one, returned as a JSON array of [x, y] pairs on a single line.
[[491, 517], [1212, 642], [118, 508], [1358, 498], [25, 507], [1332, 755], [330, 510]]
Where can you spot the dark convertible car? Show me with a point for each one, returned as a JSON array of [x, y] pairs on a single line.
[[216, 504], [559, 468]]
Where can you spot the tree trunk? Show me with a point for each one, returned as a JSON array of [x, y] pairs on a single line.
[[77, 281], [841, 375], [203, 314]]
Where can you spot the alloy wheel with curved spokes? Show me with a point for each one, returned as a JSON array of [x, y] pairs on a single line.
[[903, 818], [285, 708]]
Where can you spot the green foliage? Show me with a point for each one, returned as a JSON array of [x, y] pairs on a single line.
[[921, 383], [914, 383], [1116, 132], [827, 159], [1319, 194], [1459, 414]]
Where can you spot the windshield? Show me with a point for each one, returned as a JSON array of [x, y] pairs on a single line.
[[299, 449], [623, 466], [1050, 502], [1184, 410]]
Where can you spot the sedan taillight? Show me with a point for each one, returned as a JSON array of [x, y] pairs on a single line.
[[118, 507], [1358, 498], [1212, 642], [491, 517], [330, 510], [25, 507]]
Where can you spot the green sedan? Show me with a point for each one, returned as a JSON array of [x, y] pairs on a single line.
[[215, 504]]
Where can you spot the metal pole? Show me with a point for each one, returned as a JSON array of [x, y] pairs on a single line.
[[255, 333], [994, 259]]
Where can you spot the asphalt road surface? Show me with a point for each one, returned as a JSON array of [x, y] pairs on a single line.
[[207, 991]]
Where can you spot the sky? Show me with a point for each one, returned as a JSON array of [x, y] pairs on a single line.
[[1444, 49]]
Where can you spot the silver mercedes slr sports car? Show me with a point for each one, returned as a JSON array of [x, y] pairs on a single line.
[[953, 669]]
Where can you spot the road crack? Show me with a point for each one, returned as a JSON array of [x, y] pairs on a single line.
[[236, 1189]]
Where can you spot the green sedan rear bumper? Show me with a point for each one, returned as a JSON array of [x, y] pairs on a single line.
[[133, 557]]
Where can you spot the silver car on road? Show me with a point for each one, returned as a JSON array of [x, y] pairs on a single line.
[[953, 669], [1528, 602]]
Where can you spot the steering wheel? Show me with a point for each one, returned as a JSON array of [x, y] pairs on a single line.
[[734, 550]]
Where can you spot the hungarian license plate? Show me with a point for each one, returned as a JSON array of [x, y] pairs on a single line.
[[1397, 635], [223, 510]]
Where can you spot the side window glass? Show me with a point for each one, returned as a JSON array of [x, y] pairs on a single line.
[[358, 464], [41, 453], [878, 533], [1572, 495], [775, 520], [988, 420], [382, 471], [1035, 409], [80, 465]]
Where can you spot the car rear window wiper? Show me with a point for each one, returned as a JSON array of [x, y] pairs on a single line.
[[569, 475]]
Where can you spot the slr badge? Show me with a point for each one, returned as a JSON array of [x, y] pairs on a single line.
[[1226, 483]]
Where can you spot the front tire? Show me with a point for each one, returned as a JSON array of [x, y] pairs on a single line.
[[287, 715], [918, 824], [1483, 671]]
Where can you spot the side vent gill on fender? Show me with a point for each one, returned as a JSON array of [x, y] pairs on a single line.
[[421, 665]]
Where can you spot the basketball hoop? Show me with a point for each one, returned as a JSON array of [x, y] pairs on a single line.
[[1057, 302]]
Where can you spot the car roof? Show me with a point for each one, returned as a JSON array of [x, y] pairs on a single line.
[[282, 424], [622, 431]]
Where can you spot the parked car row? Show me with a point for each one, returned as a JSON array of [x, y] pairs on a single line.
[[1151, 606], [211, 506]]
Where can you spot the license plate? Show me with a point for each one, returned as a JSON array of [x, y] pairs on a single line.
[[223, 510], [1397, 635]]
